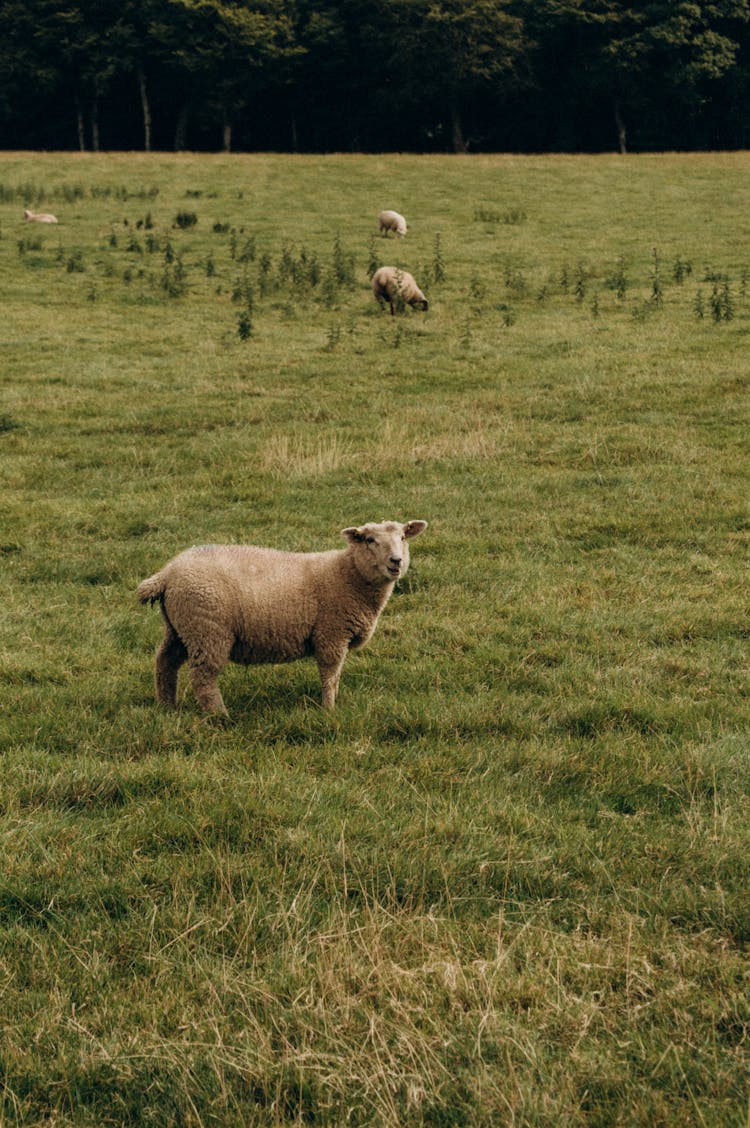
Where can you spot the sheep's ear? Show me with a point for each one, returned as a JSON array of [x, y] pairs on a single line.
[[353, 535], [414, 528]]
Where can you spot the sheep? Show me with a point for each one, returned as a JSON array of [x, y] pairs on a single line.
[[253, 605], [392, 221], [394, 285], [39, 217]]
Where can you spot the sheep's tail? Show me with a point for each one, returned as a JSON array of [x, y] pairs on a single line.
[[152, 589]]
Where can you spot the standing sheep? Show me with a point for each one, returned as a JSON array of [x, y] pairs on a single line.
[[390, 284], [392, 221], [39, 217], [253, 605]]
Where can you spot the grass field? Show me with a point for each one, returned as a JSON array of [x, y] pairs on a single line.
[[506, 881]]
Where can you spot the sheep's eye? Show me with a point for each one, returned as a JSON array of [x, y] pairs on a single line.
[[369, 540]]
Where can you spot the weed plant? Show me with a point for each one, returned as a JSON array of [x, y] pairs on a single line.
[[506, 880]]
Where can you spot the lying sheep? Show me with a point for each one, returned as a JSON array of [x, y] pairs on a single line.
[[39, 217], [390, 284], [392, 221], [253, 605]]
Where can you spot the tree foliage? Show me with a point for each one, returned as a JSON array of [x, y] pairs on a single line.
[[418, 74]]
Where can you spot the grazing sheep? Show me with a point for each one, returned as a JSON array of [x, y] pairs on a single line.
[[39, 217], [390, 284], [253, 605], [392, 221]]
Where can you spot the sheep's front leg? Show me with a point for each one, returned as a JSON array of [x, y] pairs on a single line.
[[330, 674]]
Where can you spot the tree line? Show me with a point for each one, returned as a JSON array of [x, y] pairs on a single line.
[[375, 75]]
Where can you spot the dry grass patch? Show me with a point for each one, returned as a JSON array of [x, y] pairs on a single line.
[[300, 456]]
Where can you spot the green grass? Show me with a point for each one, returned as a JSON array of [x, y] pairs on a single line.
[[506, 880]]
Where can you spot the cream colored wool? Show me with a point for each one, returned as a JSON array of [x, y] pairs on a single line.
[[252, 605], [39, 217], [390, 284], [392, 221]]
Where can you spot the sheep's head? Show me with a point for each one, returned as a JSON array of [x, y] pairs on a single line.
[[381, 550]]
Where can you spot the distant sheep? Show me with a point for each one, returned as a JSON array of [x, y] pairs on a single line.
[[392, 221], [251, 605], [39, 217], [390, 284]]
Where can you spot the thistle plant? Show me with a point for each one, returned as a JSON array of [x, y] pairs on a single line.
[[173, 279], [515, 280], [681, 270], [699, 308], [722, 305], [244, 325], [247, 253], [618, 279], [333, 336], [343, 263], [579, 285], [373, 259], [74, 264], [400, 303], [245, 316], [242, 288], [657, 292]]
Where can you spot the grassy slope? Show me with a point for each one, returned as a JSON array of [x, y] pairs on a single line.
[[507, 880]]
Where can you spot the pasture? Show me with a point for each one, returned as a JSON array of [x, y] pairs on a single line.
[[507, 880]]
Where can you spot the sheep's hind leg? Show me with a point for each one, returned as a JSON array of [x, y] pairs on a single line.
[[204, 680], [169, 657]]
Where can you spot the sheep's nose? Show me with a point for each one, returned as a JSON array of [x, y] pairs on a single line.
[[396, 561]]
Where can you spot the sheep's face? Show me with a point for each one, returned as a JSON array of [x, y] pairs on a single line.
[[382, 551]]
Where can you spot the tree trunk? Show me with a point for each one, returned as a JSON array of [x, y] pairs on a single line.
[[180, 129], [95, 126], [293, 131], [146, 108], [81, 127], [621, 130], [226, 137], [457, 133]]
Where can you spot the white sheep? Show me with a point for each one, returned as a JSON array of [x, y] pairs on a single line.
[[393, 285], [39, 217], [392, 221], [252, 605]]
